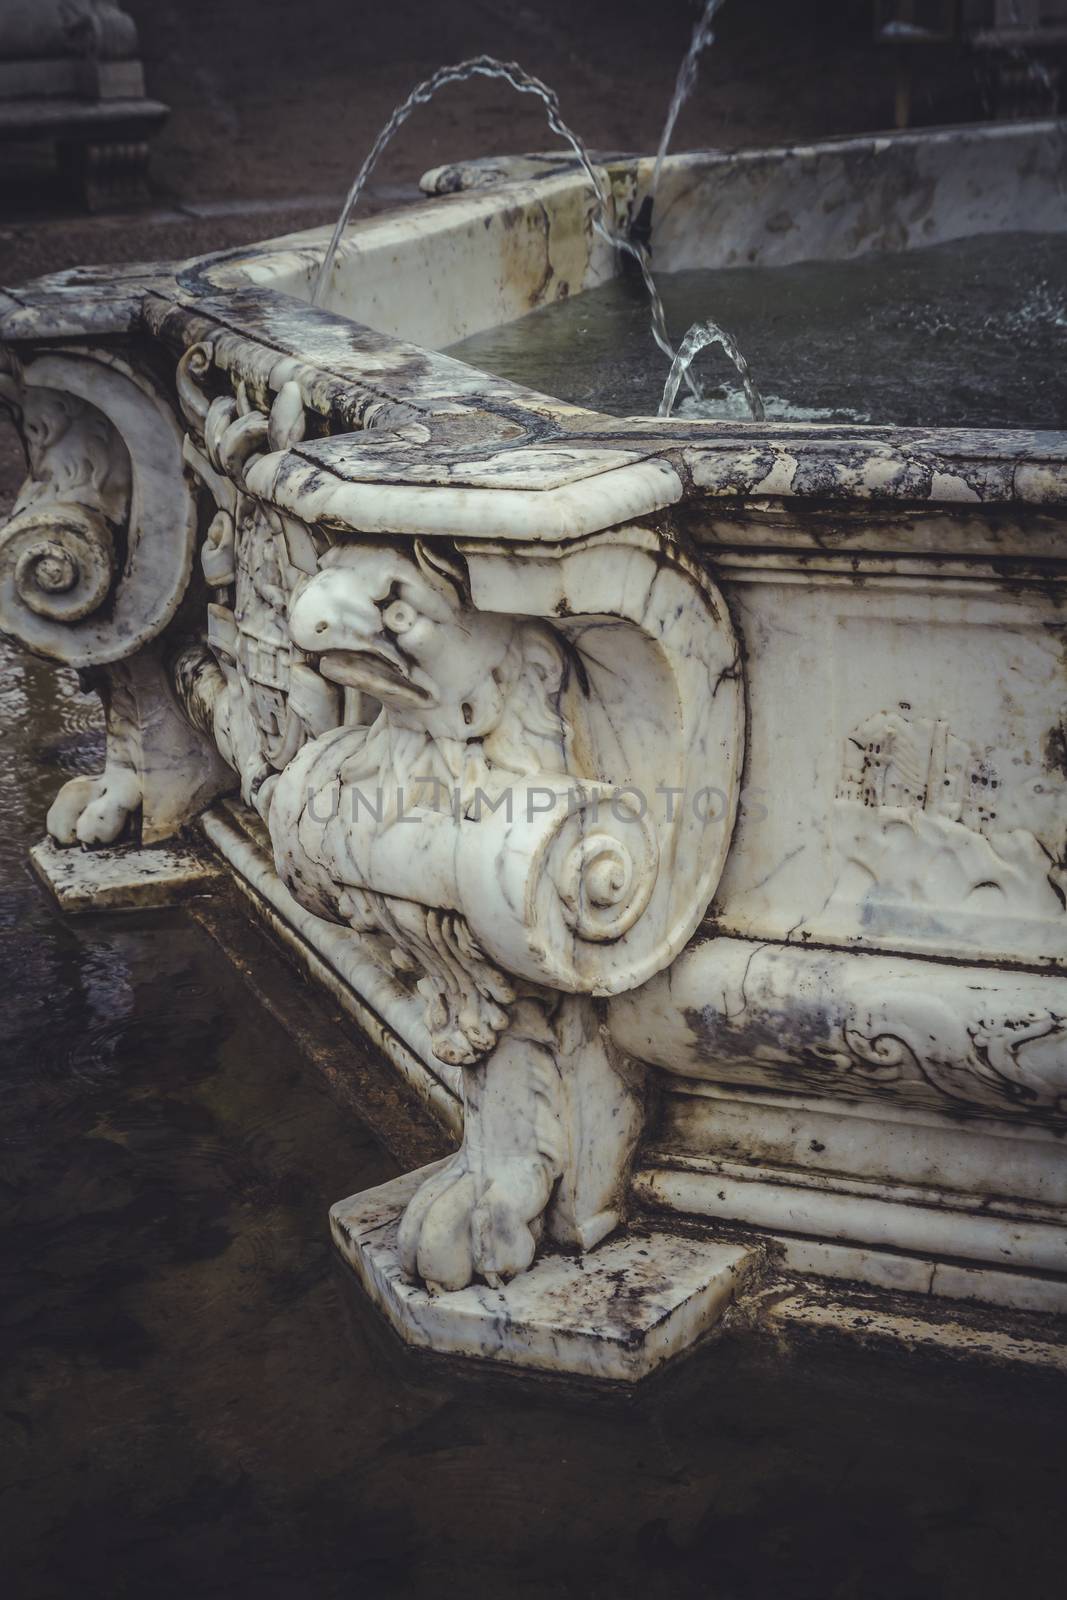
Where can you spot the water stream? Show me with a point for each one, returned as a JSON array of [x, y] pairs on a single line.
[[704, 333], [523, 83], [700, 335], [459, 72], [703, 36], [971, 333]]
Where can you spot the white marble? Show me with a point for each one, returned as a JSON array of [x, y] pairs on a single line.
[[834, 199], [885, 1326], [123, 880], [927, 1222], [592, 763], [436, 274], [926, 809], [882, 1140], [457, 756], [104, 452], [828, 1264], [983, 1042], [869, 1097], [615, 1314]]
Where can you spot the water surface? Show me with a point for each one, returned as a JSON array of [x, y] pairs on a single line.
[[967, 334]]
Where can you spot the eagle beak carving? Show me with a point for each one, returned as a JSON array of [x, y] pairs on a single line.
[[333, 619]]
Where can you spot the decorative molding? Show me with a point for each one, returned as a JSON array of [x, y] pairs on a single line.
[[247, 685], [956, 1039], [982, 1060]]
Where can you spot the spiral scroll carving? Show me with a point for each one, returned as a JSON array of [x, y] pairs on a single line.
[[61, 563], [605, 881], [96, 557]]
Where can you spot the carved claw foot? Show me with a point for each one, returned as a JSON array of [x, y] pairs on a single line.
[[483, 1215], [475, 1219], [508, 915], [94, 811]]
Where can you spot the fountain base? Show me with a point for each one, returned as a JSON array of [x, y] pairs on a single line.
[[737, 882], [123, 879], [616, 1313]]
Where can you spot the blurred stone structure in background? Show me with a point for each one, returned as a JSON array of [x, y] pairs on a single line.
[[70, 74], [1019, 45]]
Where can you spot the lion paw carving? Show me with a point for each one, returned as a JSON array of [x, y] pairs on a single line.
[[94, 810], [476, 1218]]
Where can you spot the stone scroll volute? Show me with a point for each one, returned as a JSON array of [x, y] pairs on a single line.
[[660, 708], [512, 769], [537, 816], [95, 562], [568, 786]]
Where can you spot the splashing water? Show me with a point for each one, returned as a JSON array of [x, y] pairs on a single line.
[[523, 83], [659, 315], [703, 36], [700, 335], [730, 405]]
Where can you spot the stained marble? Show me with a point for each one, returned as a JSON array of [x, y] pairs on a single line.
[[677, 804]]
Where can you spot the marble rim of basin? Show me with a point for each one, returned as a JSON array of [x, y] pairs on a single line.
[[585, 753]]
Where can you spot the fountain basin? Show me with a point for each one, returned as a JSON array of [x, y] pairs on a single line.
[[766, 721]]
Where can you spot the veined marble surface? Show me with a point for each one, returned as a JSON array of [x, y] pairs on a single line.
[[124, 879], [602, 765], [616, 1314]]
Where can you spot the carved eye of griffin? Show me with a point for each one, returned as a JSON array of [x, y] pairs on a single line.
[[402, 629]]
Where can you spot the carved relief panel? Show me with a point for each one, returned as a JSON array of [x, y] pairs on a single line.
[[906, 785]]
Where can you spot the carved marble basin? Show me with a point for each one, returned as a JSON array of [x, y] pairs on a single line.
[[680, 806]]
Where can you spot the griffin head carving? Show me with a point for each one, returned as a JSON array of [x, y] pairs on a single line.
[[402, 628]]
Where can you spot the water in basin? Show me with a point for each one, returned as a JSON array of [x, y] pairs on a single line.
[[972, 333]]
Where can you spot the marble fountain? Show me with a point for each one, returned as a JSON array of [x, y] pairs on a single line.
[[680, 806]]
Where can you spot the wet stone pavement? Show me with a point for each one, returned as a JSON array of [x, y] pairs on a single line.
[[196, 1402]]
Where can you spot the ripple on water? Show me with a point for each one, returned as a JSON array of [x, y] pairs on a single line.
[[971, 333]]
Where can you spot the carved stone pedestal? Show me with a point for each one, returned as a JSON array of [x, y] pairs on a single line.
[[619, 1312], [123, 880]]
